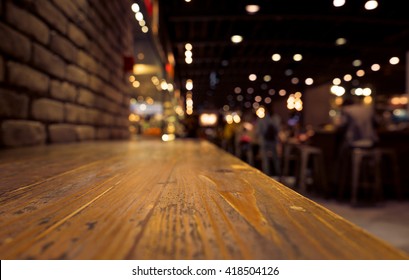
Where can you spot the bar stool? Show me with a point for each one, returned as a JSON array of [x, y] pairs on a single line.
[[367, 171], [365, 161], [311, 158], [288, 156], [389, 162]]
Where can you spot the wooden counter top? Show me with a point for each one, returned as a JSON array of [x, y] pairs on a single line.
[[185, 199]]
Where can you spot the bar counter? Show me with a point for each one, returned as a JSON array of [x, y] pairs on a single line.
[[148, 199]]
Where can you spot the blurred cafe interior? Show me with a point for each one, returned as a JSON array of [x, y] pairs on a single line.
[[88, 83]]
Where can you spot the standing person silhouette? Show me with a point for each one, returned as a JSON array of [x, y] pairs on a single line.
[[267, 130], [359, 124]]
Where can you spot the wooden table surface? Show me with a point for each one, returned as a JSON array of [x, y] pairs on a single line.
[[185, 199]]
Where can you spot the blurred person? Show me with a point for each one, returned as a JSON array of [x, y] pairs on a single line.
[[358, 124], [228, 137], [267, 132], [245, 139], [357, 130]]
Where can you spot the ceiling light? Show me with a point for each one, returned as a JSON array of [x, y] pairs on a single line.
[[357, 63], [375, 67], [188, 53], [394, 60], [252, 77], [164, 85], [187, 1], [297, 57], [338, 90], [136, 84], [340, 41], [339, 3], [282, 92], [366, 91], [267, 78], [135, 7], [189, 84], [336, 81], [236, 39], [276, 57], [252, 9], [237, 90], [347, 78], [250, 90], [309, 81], [360, 73], [188, 46], [371, 5], [188, 60], [139, 16], [295, 81], [140, 56], [288, 72], [145, 29]]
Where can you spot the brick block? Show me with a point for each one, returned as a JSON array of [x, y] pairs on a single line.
[[96, 84], [64, 47], [27, 77], [82, 4], [49, 62], [13, 105], [62, 133], [85, 132], [63, 91], [105, 104], [51, 14], [118, 133], [106, 119], [17, 133], [16, 45], [48, 110], [86, 61], [113, 94], [122, 121], [95, 19], [103, 71], [86, 97], [28, 23], [68, 7], [93, 116], [90, 30], [96, 51], [75, 113], [77, 75], [77, 36], [103, 133]]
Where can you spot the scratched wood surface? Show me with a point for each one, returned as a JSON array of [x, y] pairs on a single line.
[[151, 200]]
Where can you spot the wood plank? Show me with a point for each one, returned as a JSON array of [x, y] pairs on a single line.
[[152, 200]]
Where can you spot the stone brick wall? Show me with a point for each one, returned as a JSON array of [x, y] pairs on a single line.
[[61, 70]]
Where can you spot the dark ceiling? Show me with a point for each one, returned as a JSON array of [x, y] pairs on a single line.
[[287, 27]]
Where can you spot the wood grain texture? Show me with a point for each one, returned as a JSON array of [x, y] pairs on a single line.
[[152, 200]]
